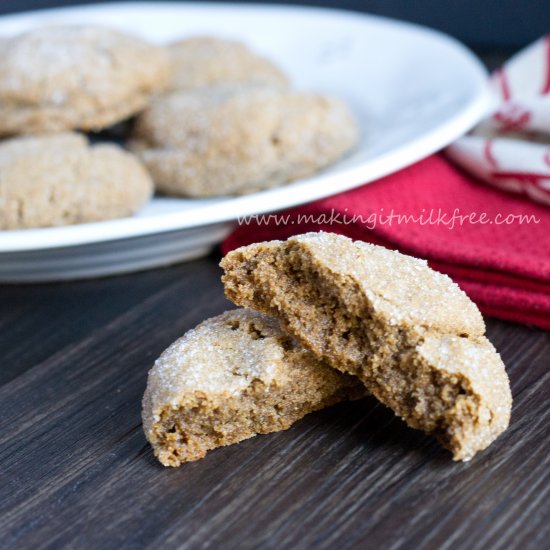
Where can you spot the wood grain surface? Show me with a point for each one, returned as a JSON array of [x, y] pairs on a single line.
[[76, 471]]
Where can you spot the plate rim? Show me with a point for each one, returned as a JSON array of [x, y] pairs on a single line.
[[310, 189]]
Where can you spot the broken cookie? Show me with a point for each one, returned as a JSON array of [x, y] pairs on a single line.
[[233, 377], [409, 333]]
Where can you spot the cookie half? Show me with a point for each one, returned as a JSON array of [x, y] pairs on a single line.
[[60, 179], [204, 61], [239, 139], [409, 333], [233, 377], [59, 78]]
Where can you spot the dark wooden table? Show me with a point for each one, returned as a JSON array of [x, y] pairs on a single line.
[[76, 471]]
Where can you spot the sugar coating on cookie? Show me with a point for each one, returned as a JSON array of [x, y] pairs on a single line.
[[204, 61], [409, 333], [233, 377], [60, 78], [59, 179], [240, 139]]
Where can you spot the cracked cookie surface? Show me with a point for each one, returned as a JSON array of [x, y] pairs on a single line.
[[240, 139], [204, 61], [409, 333], [232, 377], [60, 179], [59, 78]]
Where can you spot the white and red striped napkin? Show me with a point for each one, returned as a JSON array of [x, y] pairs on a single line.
[[510, 149]]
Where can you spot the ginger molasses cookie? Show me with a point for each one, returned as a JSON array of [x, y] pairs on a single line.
[[233, 377], [204, 61], [409, 333], [239, 139], [59, 179], [61, 78]]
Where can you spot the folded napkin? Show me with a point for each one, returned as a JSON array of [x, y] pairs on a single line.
[[494, 244], [505, 149]]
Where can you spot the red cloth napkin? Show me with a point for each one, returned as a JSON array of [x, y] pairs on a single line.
[[500, 260]]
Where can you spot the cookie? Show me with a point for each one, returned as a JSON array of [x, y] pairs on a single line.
[[205, 61], [59, 78], [233, 377], [409, 333], [240, 139], [59, 179]]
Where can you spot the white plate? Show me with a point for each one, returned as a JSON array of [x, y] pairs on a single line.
[[413, 90]]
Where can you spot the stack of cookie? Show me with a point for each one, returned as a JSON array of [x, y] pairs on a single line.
[[213, 118], [328, 319]]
